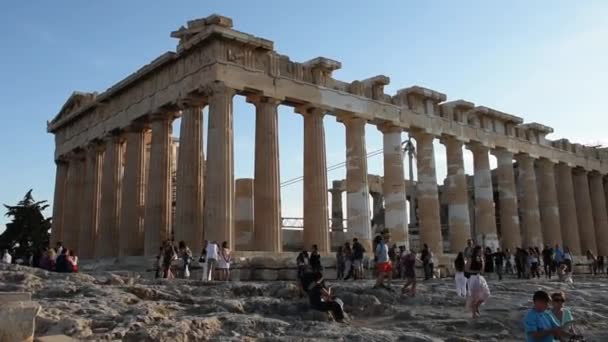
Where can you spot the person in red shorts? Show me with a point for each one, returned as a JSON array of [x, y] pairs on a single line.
[[383, 262]]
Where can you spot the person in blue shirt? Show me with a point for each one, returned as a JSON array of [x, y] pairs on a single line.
[[539, 325]]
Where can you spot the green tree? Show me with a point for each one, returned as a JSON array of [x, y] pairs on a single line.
[[29, 229]]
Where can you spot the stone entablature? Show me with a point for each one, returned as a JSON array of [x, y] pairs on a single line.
[[211, 51]]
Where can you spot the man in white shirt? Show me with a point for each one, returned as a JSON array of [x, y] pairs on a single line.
[[6, 257], [212, 256]]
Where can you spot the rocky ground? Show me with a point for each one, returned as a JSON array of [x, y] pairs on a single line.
[[125, 306]]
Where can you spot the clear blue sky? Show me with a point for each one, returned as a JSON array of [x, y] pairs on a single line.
[[546, 61]]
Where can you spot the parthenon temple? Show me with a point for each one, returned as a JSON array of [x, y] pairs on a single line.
[[114, 150]]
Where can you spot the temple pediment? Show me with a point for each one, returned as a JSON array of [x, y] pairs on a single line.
[[77, 100]]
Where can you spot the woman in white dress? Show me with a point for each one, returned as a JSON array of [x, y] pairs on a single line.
[[223, 263], [479, 292]]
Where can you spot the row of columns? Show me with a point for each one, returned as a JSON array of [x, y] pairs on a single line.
[[107, 210], [558, 204]]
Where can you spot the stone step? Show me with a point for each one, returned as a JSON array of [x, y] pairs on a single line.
[[6, 297], [17, 321], [55, 338]]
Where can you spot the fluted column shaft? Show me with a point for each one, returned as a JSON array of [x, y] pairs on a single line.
[[74, 201], [267, 194], [131, 231], [507, 197], [59, 201], [584, 211], [316, 218], [357, 189], [567, 208], [600, 217], [244, 214], [157, 216], [427, 196], [531, 229], [189, 187], [548, 204], [219, 180], [393, 187], [485, 215], [109, 210], [91, 201], [337, 215], [457, 195]]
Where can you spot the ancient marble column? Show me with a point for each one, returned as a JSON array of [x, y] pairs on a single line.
[[267, 194], [244, 215], [189, 187], [457, 195], [75, 184], [316, 217], [507, 199], [90, 201], [567, 208], [531, 229], [59, 201], [427, 196], [485, 215], [157, 216], [218, 218], [547, 202], [357, 188], [337, 215], [584, 211], [393, 187], [600, 219], [131, 231], [109, 208]]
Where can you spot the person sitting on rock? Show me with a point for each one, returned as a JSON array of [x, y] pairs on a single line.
[[62, 265], [539, 325], [73, 260], [321, 299]]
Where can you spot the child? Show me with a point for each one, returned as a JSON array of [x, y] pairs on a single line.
[[539, 325]]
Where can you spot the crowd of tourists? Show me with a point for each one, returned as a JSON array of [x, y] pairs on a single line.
[[58, 259], [175, 261]]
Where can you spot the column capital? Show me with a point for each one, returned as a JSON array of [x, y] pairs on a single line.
[[595, 173], [115, 136], [579, 170], [305, 110], [545, 162], [477, 147], [163, 116], [257, 99], [350, 120], [137, 126], [95, 146], [421, 135], [192, 101], [216, 88], [334, 190], [450, 139], [75, 154], [389, 127]]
